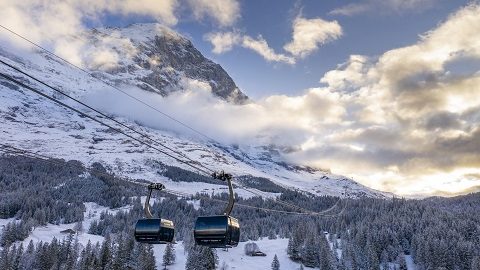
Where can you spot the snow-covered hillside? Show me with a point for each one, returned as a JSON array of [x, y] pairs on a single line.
[[32, 122]]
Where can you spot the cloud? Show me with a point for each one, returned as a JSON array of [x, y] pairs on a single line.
[[350, 9], [197, 107], [224, 12], [260, 46], [384, 6], [59, 25], [309, 34], [225, 41]]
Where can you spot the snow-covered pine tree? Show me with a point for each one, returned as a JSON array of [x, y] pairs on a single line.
[[146, 258], [310, 252], [168, 255], [105, 253], [275, 263], [293, 248], [201, 258], [326, 261]]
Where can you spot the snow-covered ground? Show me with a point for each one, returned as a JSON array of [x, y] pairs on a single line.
[[50, 231], [235, 258]]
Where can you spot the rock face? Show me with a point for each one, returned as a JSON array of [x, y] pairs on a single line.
[[163, 58]]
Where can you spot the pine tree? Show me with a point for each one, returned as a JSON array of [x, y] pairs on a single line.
[[310, 253], [145, 259], [120, 256], [326, 260], [275, 263], [293, 248], [169, 255], [4, 261], [105, 253], [18, 257], [201, 258]]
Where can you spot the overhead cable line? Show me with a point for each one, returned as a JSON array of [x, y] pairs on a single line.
[[207, 170], [107, 83], [11, 79], [99, 112], [8, 149]]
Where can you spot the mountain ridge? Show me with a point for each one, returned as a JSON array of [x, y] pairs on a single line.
[[169, 57]]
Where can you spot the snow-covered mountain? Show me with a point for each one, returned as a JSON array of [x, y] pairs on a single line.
[[155, 59]]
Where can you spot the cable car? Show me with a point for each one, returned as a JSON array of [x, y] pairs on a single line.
[[154, 230], [221, 231]]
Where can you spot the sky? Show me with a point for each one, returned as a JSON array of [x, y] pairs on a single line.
[[384, 91]]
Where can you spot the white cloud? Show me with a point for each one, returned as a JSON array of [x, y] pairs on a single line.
[[225, 12], [225, 41], [260, 46], [383, 6], [59, 24], [309, 34], [350, 9]]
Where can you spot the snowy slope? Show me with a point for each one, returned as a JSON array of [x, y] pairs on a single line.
[[31, 122], [236, 259]]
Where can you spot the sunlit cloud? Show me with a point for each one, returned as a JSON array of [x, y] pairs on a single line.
[[58, 25], [225, 41], [309, 34], [224, 12]]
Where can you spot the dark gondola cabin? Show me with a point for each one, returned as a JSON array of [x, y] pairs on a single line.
[[217, 231], [154, 231]]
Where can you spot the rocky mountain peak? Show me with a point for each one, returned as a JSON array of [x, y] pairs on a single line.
[[162, 58]]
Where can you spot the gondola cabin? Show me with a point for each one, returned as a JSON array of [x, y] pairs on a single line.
[[154, 231], [217, 231]]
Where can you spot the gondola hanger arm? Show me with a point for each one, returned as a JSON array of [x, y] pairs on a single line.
[[231, 198], [151, 187]]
